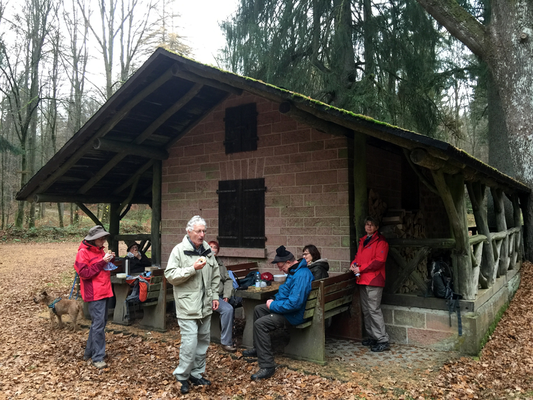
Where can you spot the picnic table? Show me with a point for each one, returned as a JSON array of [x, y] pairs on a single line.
[[251, 297]]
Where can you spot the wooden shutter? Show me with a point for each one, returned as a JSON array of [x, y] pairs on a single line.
[[253, 205], [241, 128], [228, 213], [241, 220]]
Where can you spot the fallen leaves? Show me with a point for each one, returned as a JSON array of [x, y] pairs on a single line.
[[37, 362]]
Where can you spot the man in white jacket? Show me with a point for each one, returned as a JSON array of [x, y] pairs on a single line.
[[193, 271]]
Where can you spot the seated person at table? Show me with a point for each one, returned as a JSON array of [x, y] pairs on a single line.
[[139, 260], [318, 266], [225, 309], [287, 308]]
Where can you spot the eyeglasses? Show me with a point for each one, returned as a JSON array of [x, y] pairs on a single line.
[[306, 253], [200, 231]]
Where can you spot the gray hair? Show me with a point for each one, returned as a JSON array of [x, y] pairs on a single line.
[[196, 220]]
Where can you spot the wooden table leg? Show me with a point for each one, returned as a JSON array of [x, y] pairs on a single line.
[[248, 335], [121, 292]]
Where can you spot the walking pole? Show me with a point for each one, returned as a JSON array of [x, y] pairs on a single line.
[[74, 284]]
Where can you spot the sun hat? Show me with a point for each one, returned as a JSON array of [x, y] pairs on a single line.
[[130, 245], [282, 255], [96, 232]]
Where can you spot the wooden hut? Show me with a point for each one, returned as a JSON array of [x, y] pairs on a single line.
[[267, 167]]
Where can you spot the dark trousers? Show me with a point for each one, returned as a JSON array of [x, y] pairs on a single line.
[[264, 323], [95, 347]]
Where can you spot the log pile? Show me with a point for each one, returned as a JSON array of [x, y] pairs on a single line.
[[376, 206], [406, 225]]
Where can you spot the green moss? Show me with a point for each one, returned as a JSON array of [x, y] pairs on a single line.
[[493, 326]]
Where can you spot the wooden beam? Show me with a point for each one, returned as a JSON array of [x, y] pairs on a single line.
[[134, 177], [89, 213], [130, 149], [501, 225], [117, 117], [407, 268], [53, 198], [181, 73], [157, 183], [424, 159], [477, 194], [313, 121], [360, 188], [142, 137], [421, 176], [436, 243]]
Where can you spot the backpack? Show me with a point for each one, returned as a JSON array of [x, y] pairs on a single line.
[[140, 289], [441, 280], [441, 285]]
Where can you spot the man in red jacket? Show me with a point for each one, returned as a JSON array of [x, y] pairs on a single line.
[[369, 267]]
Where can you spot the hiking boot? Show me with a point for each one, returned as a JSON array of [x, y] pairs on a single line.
[[184, 386], [229, 349], [199, 381], [86, 358], [379, 347], [99, 364], [369, 342], [249, 353], [263, 373]]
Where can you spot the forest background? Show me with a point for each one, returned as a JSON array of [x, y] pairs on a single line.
[[388, 59]]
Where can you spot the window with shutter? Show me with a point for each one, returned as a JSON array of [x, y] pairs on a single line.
[[241, 128], [241, 213]]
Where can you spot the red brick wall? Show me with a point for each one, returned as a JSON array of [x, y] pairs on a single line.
[[305, 171]]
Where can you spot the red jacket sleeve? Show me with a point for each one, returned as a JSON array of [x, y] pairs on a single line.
[[378, 259], [88, 264]]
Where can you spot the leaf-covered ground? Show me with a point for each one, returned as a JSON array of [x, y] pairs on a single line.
[[37, 362]]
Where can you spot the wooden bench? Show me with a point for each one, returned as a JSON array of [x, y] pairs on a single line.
[[239, 271], [328, 297], [155, 306]]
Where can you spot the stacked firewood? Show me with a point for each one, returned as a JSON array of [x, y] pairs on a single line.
[[406, 225], [376, 206]]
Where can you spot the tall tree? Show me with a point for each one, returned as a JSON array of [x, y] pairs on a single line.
[[123, 25], [505, 44], [355, 54], [22, 87]]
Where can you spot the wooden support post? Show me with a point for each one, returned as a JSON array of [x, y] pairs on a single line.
[[360, 186], [156, 212], [501, 226], [114, 226], [451, 189], [518, 247], [477, 194]]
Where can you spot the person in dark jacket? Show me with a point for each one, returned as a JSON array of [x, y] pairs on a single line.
[[139, 260], [96, 290], [287, 307], [369, 263], [225, 309], [318, 266]]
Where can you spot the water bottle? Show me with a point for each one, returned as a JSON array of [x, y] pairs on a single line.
[[257, 279]]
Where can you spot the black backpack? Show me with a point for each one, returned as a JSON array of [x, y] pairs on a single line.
[[441, 286], [441, 283]]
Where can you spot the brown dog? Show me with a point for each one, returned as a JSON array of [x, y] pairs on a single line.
[[62, 307]]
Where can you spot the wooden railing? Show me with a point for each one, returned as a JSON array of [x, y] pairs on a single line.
[[506, 248]]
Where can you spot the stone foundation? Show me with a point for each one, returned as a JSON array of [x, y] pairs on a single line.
[[425, 322]]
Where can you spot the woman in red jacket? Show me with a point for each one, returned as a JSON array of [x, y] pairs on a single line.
[[96, 290], [369, 266]]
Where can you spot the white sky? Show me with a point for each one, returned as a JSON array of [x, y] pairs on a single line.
[[199, 23]]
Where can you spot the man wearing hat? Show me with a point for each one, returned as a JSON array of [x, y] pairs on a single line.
[[287, 308], [95, 287]]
